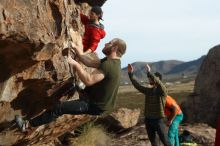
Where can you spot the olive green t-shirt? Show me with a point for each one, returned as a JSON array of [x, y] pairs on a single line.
[[103, 94]]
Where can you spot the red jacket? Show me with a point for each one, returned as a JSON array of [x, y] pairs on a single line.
[[93, 34]]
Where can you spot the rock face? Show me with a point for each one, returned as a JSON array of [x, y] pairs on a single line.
[[204, 104], [201, 134], [32, 36], [120, 120]]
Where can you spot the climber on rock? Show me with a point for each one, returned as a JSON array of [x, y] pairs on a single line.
[[94, 29], [100, 93]]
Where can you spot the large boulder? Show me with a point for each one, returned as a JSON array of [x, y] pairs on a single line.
[[126, 118], [33, 34], [204, 104], [120, 120]]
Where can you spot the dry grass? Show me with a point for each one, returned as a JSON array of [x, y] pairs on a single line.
[[91, 135]]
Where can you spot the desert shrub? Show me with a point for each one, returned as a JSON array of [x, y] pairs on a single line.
[[91, 135]]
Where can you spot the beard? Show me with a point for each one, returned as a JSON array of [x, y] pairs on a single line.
[[151, 82], [107, 50]]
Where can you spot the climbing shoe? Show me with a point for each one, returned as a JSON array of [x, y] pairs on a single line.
[[21, 123]]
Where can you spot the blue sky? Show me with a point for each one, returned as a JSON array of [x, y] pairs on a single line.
[[157, 30]]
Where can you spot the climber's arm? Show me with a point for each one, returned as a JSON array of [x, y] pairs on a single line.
[[87, 78], [88, 61]]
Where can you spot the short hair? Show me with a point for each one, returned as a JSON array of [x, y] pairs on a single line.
[[157, 74], [121, 46]]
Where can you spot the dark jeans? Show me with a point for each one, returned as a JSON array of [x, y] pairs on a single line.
[[74, 107], [154, 126]]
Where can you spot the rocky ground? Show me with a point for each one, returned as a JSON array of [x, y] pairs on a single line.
[[202, 134]]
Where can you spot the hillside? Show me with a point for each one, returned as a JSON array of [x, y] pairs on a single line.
[[170, 69], [190, 67]]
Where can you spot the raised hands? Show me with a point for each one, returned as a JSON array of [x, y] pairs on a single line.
[[130, 68], [148, 69]]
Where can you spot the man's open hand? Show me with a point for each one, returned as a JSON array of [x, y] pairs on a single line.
[[148, 69], [130, 68]]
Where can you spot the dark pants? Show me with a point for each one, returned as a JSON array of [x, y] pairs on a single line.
[[74, 107], [154, 126]]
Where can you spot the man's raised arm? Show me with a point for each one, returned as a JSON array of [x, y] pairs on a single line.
[[87, 78], [156, 80], [139, 87]]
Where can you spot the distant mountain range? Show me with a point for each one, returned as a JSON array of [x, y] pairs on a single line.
[[170, 69]]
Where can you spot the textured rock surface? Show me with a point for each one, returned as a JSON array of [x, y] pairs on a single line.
[[126, 118], [204, 104], [120, 120], [32, 36], [202, 134]]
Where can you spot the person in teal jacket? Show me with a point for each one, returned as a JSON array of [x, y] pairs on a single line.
[[174, 118]]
